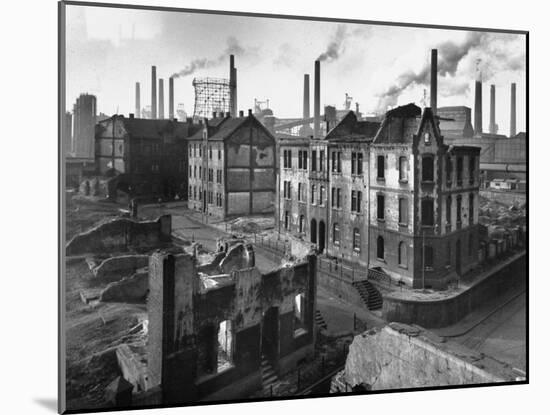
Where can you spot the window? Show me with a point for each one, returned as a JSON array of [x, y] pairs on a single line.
[[471, 169], [427, 212], [353, 163], [321, 160], [356, 240], [334, 161], [333, 197], [219, 153], [339, 162], [428, 257], [304, 162], [459, 209], [313, 160], [190, 171], [302, 224], [380, 168], [356, 197], [301, 192], [380, 207], [402, 254], [210, 152], [380, 247], [200, 150], [338, 197], [449, 170], [427, 169], [336, 234], [459, 171], [471, 208], [403, 169], [300, 165], [286, 220], [448, 256], [300, 315], [155, 168], [313, 194], [359, 163], [287, 159], [403, 211], [448, 207], [322, 196], [286, 190], [427, 139], [210, 175], [200, 172], [225, 346]]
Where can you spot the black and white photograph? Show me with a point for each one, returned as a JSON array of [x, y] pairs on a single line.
[[259, 207]]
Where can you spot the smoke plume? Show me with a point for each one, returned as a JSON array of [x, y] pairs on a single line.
[[233, 48], [336, 45]]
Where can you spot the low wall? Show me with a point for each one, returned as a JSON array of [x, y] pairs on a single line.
[[508, 198], [119, 235], [118, 267], [441, 313], [340, 287]]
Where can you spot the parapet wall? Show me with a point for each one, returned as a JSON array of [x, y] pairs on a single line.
[[441, 313], [121, 235]]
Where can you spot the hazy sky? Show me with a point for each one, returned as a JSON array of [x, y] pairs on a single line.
[[109, 49]]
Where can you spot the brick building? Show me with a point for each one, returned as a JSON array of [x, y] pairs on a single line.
[[232, 167], [147, 157], [394, 196], [210, 341]]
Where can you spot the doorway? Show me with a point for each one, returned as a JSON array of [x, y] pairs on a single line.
[[270, 334], [313, 231], [321, 236]]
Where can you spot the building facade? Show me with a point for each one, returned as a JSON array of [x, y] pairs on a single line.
[[398, 199], [232, 167]]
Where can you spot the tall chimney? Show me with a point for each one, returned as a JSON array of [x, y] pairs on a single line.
[[232, 86], [161, 99], [171, 98], [138, 103], [153, 92], [306, 96], [492, 125], [317, 101], [433, 82], [513, 110], [478, 123]]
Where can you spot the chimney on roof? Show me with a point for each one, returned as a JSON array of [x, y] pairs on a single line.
[[249, 112], [317, 100], [513, 110], [138, 104], [213, 114], [161, 99], [433, 82], [492, 124], [306, 96], [232, 86], [131, 116], [241, 113], [153, 92], [171, 98]]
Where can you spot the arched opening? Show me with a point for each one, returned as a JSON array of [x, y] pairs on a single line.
[[313, 231], [321, 236]]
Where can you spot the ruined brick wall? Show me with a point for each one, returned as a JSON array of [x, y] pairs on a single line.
[[120, 235]]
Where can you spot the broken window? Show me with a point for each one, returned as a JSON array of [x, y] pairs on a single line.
[[403, 170], [427, 212], [428, 257], [356, 240], [300, 315], [471, 169], [356, 201], [219, 153], [380, 207], [338, 198], [359, 163], [380, 247], [336, 234], [471, 208], [427, 169], [302, 224], [300, 166], [333, 161], [321, 160], [313, 160], [322, 196], [210, 152], [402, 254], [333, 197], [287, 220], [449, 170], [339, 162], [459, 209], [403, 211], [353, 163], [381, 168], [312, 194], [448, 207], [225, 345], [459, 171], [301, 192], [304, 162]]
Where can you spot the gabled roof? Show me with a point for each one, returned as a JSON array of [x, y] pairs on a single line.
[[399, 125], [146, 128], [350, 128], [220, 129]]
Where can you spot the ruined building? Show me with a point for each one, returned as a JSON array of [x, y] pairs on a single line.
[[392, 197], [84, 120], [232, 167], [145, 157], [210, 336]]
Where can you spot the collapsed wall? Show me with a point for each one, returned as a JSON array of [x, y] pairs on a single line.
[[401, 356]]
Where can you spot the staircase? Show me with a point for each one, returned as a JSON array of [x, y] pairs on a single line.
[[319, 320], [269, 377], [369, 294]]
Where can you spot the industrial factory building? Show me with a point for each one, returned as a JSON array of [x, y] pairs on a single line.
[[232, 167]]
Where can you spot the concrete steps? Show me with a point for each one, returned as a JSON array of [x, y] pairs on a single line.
[[269, 377], [319, 320], [369, 294]]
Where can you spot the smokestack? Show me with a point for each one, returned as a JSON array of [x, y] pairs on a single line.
[[171, 98], [161, 99], [513, 110], [153, 92], [138, 104], [478, 124], [492, 125], [433, 82], [306, 96], [232, 86], [317, 100]]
